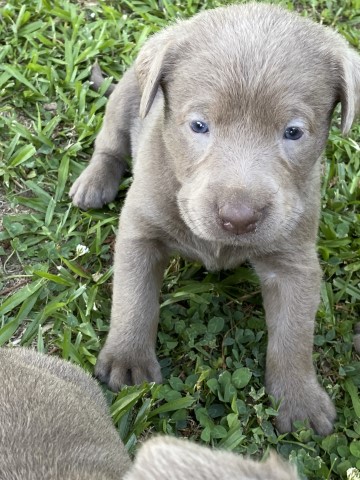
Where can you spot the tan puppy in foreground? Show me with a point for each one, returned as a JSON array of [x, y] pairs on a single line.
[[226, 116], [55, 424]]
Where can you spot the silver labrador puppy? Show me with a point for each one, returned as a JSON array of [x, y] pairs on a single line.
[[55, 424], [226, 116]]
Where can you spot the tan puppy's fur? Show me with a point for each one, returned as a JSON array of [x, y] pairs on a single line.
[[250, 72], [54, 424], [174, 459]]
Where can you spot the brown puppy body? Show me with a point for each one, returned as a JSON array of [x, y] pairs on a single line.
[[54, 424], [226, 116]]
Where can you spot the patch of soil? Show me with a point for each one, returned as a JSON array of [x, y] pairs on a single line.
[[10, 266]]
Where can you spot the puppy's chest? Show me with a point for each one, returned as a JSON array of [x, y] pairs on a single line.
[[214, 256]]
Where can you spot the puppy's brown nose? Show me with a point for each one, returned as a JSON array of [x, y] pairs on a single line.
[[238, 219]]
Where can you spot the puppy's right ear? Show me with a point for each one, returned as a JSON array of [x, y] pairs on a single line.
[[153, 61]]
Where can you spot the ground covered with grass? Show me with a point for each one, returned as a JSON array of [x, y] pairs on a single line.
[[55, 260]]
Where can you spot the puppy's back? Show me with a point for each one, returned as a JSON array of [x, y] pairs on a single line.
[[54, 422]]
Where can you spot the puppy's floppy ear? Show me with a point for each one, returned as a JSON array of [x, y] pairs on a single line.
[[350, 88], [154, 60]]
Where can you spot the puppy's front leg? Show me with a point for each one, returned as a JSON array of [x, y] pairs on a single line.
[[128, 356], [99, 182], [291, 287]]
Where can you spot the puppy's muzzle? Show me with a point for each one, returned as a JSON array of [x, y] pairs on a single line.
[[239, 218]]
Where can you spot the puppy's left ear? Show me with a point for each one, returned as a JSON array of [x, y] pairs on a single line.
[[350, 88]]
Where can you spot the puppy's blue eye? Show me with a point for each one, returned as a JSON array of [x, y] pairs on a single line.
[[199, 127], [293, 133]]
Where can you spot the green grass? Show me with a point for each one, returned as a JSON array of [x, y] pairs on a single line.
[[212, 335]]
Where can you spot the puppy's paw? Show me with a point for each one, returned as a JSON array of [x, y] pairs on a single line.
[[310, 404], [94, 188], [116, 368]]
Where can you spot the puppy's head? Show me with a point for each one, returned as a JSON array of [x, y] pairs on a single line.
[[249, 92], [175, 459]]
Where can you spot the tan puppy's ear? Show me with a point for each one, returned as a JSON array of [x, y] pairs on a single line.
[[350, 88], [154, 60]]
